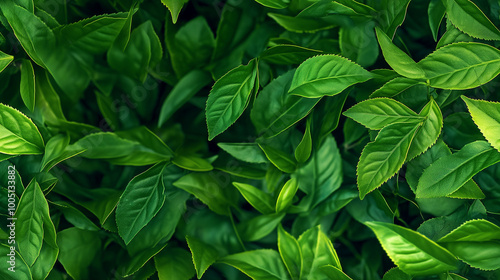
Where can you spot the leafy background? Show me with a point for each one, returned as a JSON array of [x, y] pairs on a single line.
[[266, 139]]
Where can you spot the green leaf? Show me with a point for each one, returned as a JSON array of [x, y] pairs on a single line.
[[396, 274], [290, 252], [174, 6], [258, 264], [249, 152], [94, 35], [87, 244], [229, 97], [45, 261], [21, 268], [322, 174], [5, 60], [182, 92], [204, 255], [35, 37], [142, 53], [174, 263], [412, 252], [392, 15], [288, 54], [487, 117], [473, 230], [470, 190], [326, 75], [449, 173], [136, 262], [275, 110], [275, 4], [467, 17], [192, 163], [287, 194], [142, 199], [429, 132], [32, 213], [207, 188], [300, 24], [482, 255], [461, 66], [260, 200], [18, 134], [359, 43], [27, 87], [395, 86], [259, 226], [436, 12], [280, 159], [328, 272], [378, 113], [317, 251], [397, 59], [382, 158], [303, 150], [58, 150]]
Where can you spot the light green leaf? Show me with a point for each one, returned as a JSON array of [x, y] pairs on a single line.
[[142, 199], [18, 134], [290, 252], [473, 230], [395, 87], [326, 75], [249, 152], [94, 35], [174, 263], [280, 159], [396, 274], [461, 66], [27, 87], [57, 150], [429, 132], [322, 174], [382, 158], [204, 255], [397, 59], [411, 251], [303, 150], [378, 113], [288, 54], [86, 243], [275, 4], [260, 200], [184, 90], [470, 190], [192, 163], [258, 264], [449, 173], [5, 60], [36, 38], [287, 194], [174, 6], [31, 214], [21, 268], [208, 189], [467, 17], [259, 226], [275, 110], [486, 115], [45, 261], [329, 272], [229, 97], [482, 255], [317, 251]]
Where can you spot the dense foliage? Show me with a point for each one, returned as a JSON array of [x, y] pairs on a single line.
[[266, 139]]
